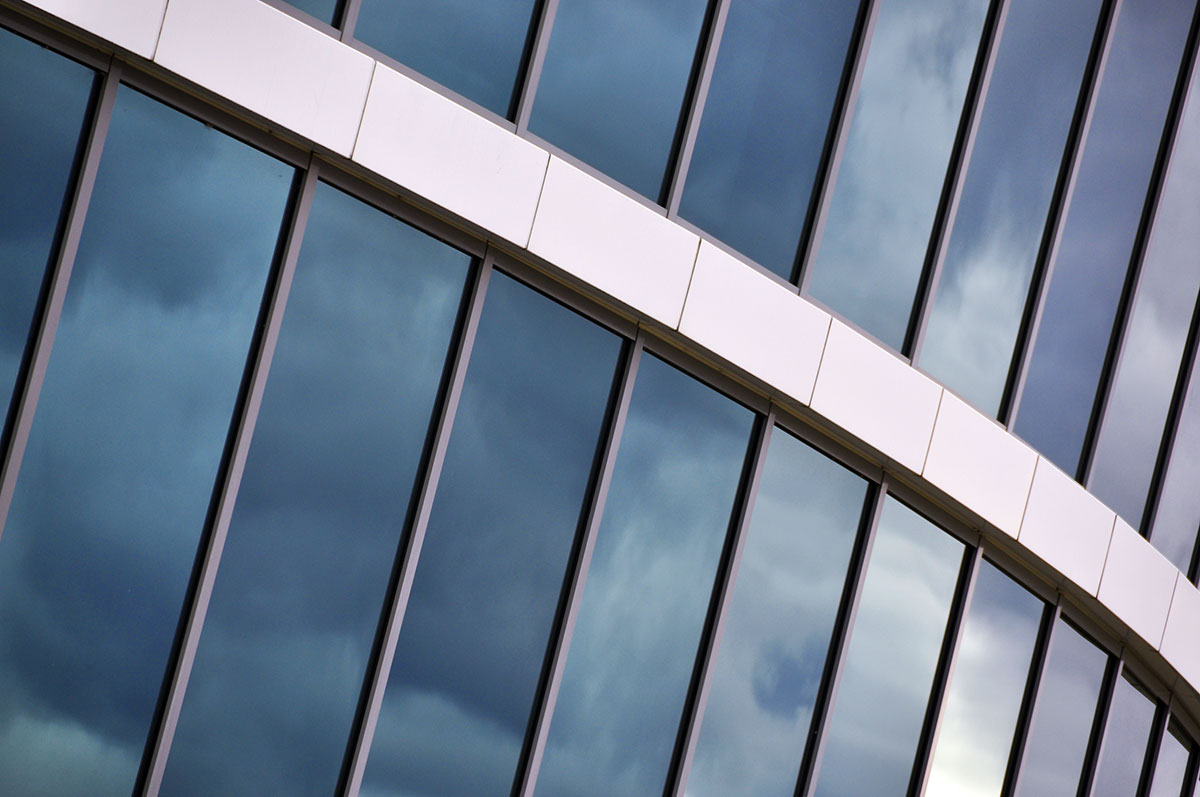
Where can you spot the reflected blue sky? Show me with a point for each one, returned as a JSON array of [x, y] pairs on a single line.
[[128, 434], [321, 506], [321, 9]]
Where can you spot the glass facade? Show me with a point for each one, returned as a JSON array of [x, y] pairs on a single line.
[[324, 495]]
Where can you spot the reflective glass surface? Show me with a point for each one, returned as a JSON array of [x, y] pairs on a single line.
[[613, 84], [473, 47], [1006, 192], [894, 648], [776, 635], [127, 439], [1062, 722], [1126, 734], [1096, 240], [648, 588], [764, 124], [321, 507], [323, 10], [507, 507], [979, 716], [1177, 518], [1171, 766], [1162, 311], [43, 99], [908, 108]]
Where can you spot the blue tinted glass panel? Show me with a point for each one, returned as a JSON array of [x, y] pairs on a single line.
[[613, 84], [1166, 298], [127, 440], [1177, 519], [1097, 236], [776, 635], [979, 716], [1171, 766], [1066, 703], [1126, 734], [764, 124], [321, 506], [473, 47], [648, 588], [894, 648], [487, 583], [43, 99], [905, 119], [323, 10], [990, 256]]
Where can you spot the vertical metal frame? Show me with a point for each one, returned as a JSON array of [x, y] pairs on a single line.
[[1095, 748], [54, 289], [531, 64], [550, 681], [233, 464], [347, 18], [1027, 715], [1158, 728], [956, 172], [400, 587], [714, 625]]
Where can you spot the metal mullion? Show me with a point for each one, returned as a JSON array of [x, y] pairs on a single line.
[[1029, 701], [375, 680], [1060, 201], [1123, 316], [839, 639], [695, 97], [923, 760], [698, 689], [835, 143], [50, 304], [534, 60], [347, 18], [1095, 748], [199, 593], [1158, 728], [572, 595], [1192, 773], [956, 172]]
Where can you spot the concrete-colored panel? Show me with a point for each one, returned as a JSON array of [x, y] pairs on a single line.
[[1181, 639], [1137, 583], [130, 24], [755, 323], [451, 156], [976, 461], [876, 397], [262, 59], [604, 238], [1066, 526]]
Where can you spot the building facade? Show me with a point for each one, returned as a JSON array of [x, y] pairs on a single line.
[[577, 397]]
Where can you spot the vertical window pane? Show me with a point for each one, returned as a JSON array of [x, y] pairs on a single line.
[[43, 99], [992, 666], [764, 125], [909, 103], [321, 506], [648, 588], [487, 584], [1166, 298], [1097, 235], [1178, 516], [613, 84], [1126, 734], [473, 47], [894, 650], [776, 636], [1010, 180], [127, 439], [1171, 767], [1066, 704]]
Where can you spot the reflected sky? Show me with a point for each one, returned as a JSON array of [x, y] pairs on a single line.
[[648, 588], [471, 46], [321, 507], [764, 124], [776, 635], [43, 98], [1177, 518], [321, 9], [1126, 734], [909, 103], [1097, 235], [508, 504], [1171, 766], [979, 716], [1166, 298], [128, 435], [612, 88], [1062, 722], [894, 649], [1006, 192]]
